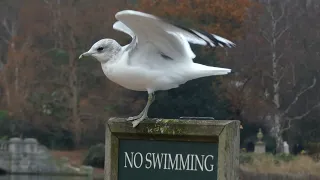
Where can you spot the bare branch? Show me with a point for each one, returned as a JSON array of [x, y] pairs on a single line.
[[298, 96], [299, 117], [282, 14], [269, 9], [281, 77], [11, 31], [269, 75], [293, 74], [288, 26], [279, 34], [278, 58], [288, 127], [305, 114], [5, 25], [265, 36], [14, 28]]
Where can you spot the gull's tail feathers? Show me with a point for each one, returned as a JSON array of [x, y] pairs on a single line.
[[204, 71]]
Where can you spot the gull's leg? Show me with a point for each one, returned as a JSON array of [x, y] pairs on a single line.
[[141, 113], [151, 98]]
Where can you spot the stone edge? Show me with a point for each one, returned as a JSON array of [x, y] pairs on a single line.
[[229, 149], [168, 127]]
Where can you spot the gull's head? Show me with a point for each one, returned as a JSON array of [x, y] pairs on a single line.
[[103, 50]]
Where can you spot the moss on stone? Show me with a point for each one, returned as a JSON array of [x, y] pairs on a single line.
[[156, 126], [164, 126]]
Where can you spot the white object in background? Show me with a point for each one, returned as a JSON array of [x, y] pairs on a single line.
[[286, 147]]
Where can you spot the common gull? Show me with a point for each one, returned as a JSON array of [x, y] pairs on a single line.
[[159, 56]]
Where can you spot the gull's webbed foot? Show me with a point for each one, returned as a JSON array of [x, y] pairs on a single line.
[[134, 117], [136, 122]]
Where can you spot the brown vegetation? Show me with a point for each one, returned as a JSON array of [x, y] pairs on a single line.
[[269, 164]]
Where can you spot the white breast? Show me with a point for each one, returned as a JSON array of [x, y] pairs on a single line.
[[126, 76]]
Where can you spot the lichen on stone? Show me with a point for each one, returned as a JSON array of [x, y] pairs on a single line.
[[163, 126]]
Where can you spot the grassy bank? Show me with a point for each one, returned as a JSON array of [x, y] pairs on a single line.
[[279, 164], [76, 158]]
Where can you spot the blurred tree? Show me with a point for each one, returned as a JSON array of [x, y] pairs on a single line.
[[221, 17], [279, 63], [20, 61], [71, 79], [41, 76]]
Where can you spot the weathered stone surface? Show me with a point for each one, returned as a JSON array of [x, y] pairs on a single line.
[[225, 133], [27, 156]]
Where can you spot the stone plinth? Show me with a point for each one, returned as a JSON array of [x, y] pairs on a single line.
[[260, 148], [172, 149]]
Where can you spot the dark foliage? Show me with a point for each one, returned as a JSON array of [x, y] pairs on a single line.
[[95, 156]]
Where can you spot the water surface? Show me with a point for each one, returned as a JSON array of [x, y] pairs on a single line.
[[28, 177]]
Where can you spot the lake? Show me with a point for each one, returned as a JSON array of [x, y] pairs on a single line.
[[28, 177]]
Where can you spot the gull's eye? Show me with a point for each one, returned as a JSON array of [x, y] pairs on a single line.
[[99, 49]]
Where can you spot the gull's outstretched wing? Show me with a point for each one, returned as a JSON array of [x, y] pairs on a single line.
[[172, 41], [129, 17], [148, 32], [122, 27]]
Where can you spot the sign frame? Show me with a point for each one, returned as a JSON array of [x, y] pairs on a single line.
[[226, 133]]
